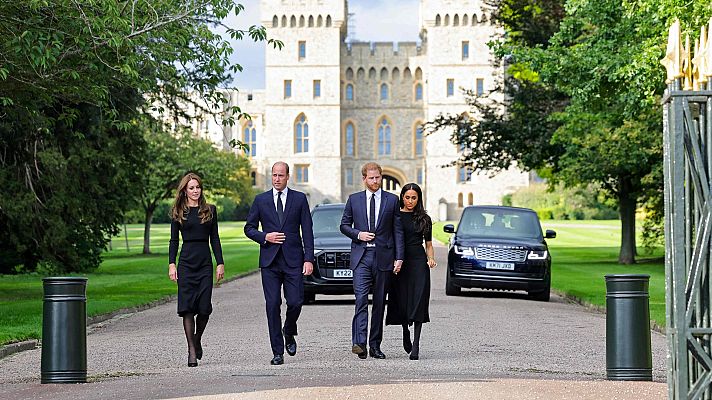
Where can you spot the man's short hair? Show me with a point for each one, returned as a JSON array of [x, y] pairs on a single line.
[[286, 166], [369, 167]]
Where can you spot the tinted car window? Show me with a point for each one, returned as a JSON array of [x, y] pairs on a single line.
[[327, 221], [499, 223]]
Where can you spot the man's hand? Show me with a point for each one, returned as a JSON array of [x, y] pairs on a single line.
[[308, 268], [220, 272], [275, 237], [397, 264], [366, 236]]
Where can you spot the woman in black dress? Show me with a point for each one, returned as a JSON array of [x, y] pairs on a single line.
[[197, 222], [409, 297]]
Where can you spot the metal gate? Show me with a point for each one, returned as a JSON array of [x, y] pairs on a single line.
[[687, 117]]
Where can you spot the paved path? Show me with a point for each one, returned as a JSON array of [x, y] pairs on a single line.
[[491, 346]]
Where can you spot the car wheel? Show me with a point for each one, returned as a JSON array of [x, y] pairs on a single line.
[[450, 288], [542, 295], [309, 298]]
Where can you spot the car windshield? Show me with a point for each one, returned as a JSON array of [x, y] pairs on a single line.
[[500, 223], [327, 220]]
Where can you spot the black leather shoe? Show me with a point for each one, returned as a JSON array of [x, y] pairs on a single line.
[[277, 360], [407, 344], [192, 362], [360, 350], [290, 344], [413, 356], [376, 353]]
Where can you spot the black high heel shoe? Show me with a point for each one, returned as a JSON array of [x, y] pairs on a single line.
[[193, 363], [407, 344]]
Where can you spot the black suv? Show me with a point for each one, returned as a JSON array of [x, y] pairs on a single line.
[[499, 248], [332, 254]]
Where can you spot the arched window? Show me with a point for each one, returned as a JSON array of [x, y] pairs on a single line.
[[372, 73], [456, 20], [384, 74], [311, 21], [275, 21], [293, 21], [349, 74], [301, 134], [464, 20], [284, 21], [418, 141], [384, 137], [418, 91], [459, 200], [384, 91], [249, 137], [319, 21], [418, 74], [395, 74], [328, 21], [349, 92], [437, 20], [447, 19], [470, 199], [349, 140], [361, 74], [301, 21]]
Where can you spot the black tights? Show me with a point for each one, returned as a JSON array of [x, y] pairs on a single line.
[[194, 326], [417, 327]]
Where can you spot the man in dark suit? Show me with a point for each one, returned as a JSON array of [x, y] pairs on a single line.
[[372, 220], [283, 258]]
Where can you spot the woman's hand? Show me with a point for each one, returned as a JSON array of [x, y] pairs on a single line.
[[220, 271], [173, 272], [432, 263]]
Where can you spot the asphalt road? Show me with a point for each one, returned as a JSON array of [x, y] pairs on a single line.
[[489, 345]]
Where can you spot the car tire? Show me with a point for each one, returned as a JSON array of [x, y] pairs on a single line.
[[309, 298], [544, 294], [450, 288]]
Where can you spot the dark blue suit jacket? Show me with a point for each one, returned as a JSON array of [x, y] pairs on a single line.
[[389, 231], [296, 217]]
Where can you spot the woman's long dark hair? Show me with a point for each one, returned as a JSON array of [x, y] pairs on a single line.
[[179, 211], [421, 219]]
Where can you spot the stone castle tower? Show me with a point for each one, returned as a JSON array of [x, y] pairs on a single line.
[[331, 106]]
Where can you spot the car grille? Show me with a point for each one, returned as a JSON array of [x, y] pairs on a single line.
[[463, 267], [493, 254], [334, 259]]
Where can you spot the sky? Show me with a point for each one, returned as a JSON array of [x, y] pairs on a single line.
[[376, 21]]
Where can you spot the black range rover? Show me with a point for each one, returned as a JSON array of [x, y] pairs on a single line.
[[499, 248], [332, 254]]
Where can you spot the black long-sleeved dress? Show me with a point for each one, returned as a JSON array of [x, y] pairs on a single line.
[[195, 266], [409, 295]]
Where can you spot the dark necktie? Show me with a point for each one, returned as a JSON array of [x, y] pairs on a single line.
[[372, 214], [280, 208]]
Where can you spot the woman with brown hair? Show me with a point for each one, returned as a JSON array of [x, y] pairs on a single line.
[[409, 297], [197, 221]]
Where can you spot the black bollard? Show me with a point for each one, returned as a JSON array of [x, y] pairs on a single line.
[[64, 330], [628, 352]]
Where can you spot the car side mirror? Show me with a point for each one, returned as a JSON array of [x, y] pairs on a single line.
[[449, 228], [550, 234]]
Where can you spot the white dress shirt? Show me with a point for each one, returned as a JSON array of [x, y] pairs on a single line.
[[284, 198], [368, 204]]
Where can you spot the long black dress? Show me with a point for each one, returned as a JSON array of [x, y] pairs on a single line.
[[409, 296], [195, 266]]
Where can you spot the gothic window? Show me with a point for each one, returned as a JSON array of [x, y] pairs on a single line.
[[301, 135], [418, 141], [349, 140], [384, 91], [328, 21], [384, 137], [319, 21], [311, 21], [456, 20], [459, 199], [284, 21], [302, 49], [293, 21], [464, 20], [301, 21], [287, 88], [418, 91], [450, 87], [470, 199], [349, 92], [480, 86], [249, 137], [275, 22], [317, 88], [465, 50], [437, 20]]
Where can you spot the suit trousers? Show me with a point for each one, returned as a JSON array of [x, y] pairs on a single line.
[[367, 277], [274, 277]]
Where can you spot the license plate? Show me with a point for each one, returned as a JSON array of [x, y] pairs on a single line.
[[499, 265], [343, 273]]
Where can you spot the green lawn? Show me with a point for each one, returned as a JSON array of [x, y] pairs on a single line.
[[124, 279], [584, 252]]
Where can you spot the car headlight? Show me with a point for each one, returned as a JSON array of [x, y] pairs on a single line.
[[464, 250], [537, 254]]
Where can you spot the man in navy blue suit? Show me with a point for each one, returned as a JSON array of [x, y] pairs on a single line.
[[372, 220], [283, 212]]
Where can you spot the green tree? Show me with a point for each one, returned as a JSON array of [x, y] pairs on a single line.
[[74, 76], [170, 155]]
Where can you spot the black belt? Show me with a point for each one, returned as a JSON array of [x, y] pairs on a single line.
[[196, 241]]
